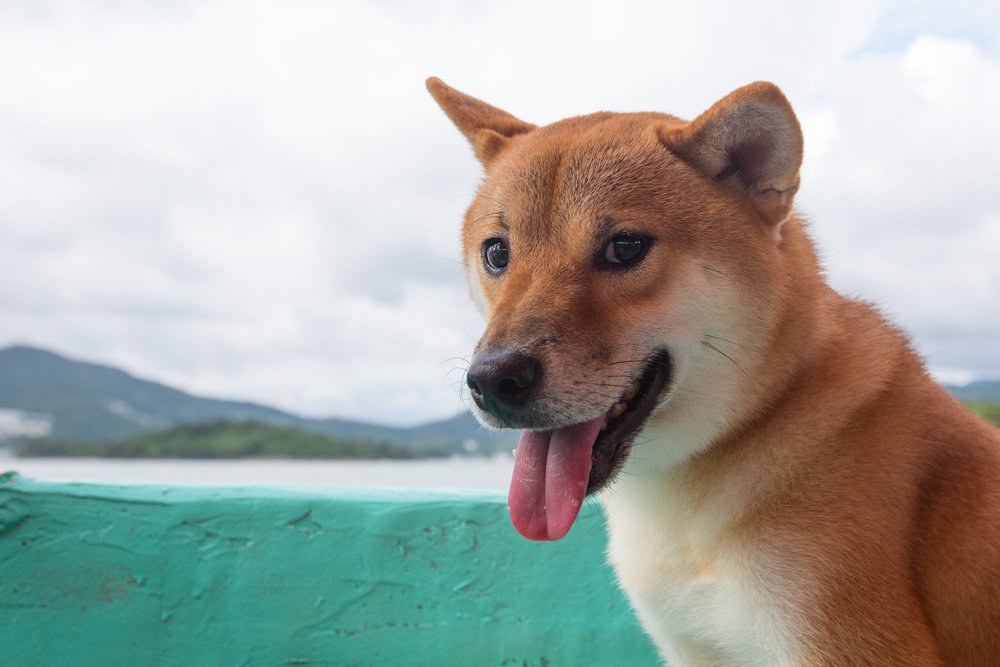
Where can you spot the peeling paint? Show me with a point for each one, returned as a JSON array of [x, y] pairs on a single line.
[[105, 575], [13, 512], [306, 524]]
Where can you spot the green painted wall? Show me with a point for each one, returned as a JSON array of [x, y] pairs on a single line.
[[140, 575]]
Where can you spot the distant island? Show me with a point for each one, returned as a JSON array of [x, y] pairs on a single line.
[[221, 440], [54, 406]]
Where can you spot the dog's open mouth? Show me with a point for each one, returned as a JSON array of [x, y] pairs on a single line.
[[556, 469]]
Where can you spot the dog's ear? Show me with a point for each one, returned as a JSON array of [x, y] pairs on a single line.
[[749, 139], [487, 128]]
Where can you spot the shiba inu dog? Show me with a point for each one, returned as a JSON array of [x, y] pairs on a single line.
[[785, 485]]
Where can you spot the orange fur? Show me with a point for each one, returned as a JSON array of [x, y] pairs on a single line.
[[804, 458]]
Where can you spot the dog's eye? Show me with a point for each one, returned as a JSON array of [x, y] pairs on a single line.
[[625, 250], [495, 255]]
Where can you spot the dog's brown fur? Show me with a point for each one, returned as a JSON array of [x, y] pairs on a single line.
[[803, 453]]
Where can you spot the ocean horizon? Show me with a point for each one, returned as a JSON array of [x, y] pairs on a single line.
[[453, 473]]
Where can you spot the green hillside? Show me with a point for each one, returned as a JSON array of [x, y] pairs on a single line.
[[988, 411], [222, 439]]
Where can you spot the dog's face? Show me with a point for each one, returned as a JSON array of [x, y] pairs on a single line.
[[624, 263]]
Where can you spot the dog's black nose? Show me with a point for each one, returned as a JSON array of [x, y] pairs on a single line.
[[502, 380]]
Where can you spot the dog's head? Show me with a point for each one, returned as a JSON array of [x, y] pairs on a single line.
[[627, 265]]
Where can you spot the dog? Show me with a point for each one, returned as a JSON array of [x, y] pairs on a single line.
[[784, 484]]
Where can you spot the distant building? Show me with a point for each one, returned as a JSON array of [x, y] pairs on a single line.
[[20, 424]]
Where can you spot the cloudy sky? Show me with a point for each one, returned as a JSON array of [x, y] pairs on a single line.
[[260, 201]]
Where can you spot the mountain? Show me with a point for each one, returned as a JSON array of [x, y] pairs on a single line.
[[980, 390], [91, 402]]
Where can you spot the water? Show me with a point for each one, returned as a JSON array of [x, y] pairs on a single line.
[[430, 473]]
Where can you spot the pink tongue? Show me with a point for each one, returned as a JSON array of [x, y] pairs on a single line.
[[550, 479]]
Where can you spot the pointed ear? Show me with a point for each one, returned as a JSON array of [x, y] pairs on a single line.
[[487, 128], [749, 139]]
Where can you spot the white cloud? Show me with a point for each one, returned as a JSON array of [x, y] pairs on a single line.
[[904, 196], [260, 200]]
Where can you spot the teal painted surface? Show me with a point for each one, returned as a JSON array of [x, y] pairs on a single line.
[[139, 575]]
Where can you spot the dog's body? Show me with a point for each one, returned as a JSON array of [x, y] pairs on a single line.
[[801, 493]]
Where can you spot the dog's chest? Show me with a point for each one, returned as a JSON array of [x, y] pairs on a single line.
[[701, 597]]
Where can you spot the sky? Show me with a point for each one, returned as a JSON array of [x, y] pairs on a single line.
[[260, 201]]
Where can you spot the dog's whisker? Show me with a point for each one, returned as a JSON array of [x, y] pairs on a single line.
[[461, 369], [733, 361], [491, 214], [626, 361], [715, 270], [496, 201], [725, 340], [442, 257], [465, 359], [666, 398]]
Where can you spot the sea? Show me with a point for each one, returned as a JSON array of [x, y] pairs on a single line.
[[454, 473]]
